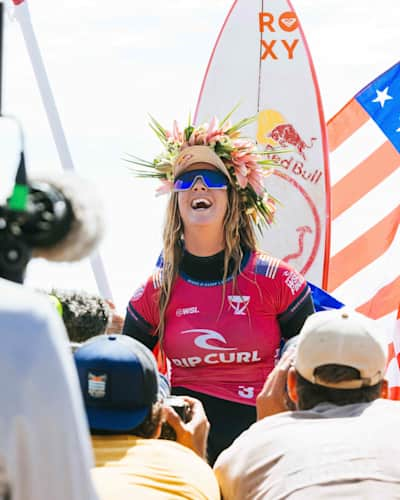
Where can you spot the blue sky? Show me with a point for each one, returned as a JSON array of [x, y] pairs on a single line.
[[111, 64]]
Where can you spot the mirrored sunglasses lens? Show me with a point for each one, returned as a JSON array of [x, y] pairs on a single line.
[[212, 179]]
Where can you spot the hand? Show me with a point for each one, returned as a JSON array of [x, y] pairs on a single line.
[[192, 434], [116, 321], [273, 397]]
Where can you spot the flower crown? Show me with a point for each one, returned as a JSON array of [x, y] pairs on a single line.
[[239, 154]]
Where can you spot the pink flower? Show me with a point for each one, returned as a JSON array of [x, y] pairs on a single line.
[[256, 181], [212, 128], [177, 134], [241, 175], [166, 187]]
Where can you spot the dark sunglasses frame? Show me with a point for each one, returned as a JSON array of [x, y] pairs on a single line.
[[213, 179]]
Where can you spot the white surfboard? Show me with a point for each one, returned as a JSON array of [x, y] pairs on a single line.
[[261, 61]]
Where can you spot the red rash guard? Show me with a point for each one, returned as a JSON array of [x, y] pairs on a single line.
[[224, 343]]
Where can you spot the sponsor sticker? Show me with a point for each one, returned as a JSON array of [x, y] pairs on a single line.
[[293, 281], [239, 303], [138, 293], [183, 311], [97, 385]]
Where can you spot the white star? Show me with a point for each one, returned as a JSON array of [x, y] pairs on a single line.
[[382, 96]]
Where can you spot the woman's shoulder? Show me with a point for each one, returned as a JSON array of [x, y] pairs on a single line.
[[265, 264], [269, 266], [150, 286]]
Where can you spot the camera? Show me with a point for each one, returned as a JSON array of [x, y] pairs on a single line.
[[182, 408]]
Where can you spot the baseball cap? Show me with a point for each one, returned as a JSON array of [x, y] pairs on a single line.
[[119, 381], [341, 337], [198, 154]]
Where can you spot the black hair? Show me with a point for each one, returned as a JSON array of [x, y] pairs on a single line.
[[310, 395], [84, 315]]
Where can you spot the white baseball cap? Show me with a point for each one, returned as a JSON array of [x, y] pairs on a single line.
[[198, 154], [342, 337]]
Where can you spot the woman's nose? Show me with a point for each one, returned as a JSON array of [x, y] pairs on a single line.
[[199, 185]]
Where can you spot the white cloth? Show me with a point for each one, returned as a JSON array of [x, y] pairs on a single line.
[[45, 449], [327, 452]]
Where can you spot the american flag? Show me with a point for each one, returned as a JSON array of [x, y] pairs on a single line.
[[364, 269]]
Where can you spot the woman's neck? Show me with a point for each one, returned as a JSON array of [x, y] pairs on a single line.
[[203, 244], [209, 268]]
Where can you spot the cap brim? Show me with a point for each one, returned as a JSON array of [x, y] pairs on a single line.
[[115, 420]]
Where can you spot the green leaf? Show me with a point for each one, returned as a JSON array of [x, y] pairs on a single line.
[[242, 123], [227, 117]]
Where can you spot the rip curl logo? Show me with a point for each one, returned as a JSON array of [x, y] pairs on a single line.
[[239, 303], [184, 311], [293, 281], [246, 392], [202, 340], [97, 385]]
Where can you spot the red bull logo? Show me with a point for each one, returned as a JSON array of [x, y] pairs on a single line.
[[286, 135], [275, 131]]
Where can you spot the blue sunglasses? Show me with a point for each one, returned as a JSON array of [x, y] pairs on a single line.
[[213, 179]]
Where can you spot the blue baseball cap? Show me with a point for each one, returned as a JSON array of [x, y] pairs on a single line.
[[119, 381]]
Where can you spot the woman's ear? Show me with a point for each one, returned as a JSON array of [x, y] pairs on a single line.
[[291, 384]]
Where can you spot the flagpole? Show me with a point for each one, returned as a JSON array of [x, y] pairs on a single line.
[[21, 13]]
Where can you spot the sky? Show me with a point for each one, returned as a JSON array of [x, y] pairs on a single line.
[[111, 65]]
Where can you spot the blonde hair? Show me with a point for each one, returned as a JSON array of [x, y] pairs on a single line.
[[239, 233]]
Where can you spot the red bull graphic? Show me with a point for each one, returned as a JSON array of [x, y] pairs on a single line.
[[276, 133], [302, 230], [273, 130], [286, 135]]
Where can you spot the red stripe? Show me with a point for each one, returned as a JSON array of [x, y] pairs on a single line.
[[394, 393], [364, 250], [341, 126], [382, 162], [385, 301]]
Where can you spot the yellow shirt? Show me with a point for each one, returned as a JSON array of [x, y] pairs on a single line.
[[134, 468]]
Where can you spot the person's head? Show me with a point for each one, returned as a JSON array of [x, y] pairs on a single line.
[[84, 315], [121, 386], [205, 198], [340, 359]]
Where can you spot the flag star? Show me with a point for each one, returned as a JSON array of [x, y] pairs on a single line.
[[382, 96]]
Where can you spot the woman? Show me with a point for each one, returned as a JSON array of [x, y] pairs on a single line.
[[218, 307]]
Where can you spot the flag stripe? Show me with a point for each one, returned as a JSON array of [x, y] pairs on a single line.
[[377, 274], [366, 213], [385, 301], [394, 393], [363, 178], [345, 123], [363, 250], [355, 150]]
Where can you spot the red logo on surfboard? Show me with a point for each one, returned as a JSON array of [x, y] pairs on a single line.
[[275, 131]]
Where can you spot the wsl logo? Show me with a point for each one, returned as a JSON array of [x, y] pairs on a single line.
[[239, 303]]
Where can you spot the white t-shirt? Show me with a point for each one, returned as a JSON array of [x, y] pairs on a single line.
[[45, 450], [349, 452]]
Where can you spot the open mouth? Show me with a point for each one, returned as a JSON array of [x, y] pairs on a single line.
[[200, 203]]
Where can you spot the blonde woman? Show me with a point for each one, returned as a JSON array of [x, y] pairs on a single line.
[[217, 307]]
